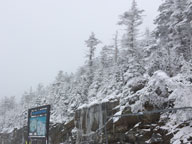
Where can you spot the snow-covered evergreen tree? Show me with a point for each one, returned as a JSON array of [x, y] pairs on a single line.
[[91, 43], [131, 19], [148, 39], [106, 56], [173, 32], [132, 53], [163, 31], [188, 22], [116, 47], [181, 30]]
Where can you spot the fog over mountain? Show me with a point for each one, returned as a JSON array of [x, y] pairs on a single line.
[[39, 38]]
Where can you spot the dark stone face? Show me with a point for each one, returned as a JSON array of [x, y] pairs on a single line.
[[16, 137], [58, 134]]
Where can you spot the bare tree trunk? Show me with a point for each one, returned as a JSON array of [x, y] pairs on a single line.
[[169, 60], [116, 47]]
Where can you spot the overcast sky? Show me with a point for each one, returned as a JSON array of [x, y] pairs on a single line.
[[40, 37]]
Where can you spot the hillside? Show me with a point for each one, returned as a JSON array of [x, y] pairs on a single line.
[[131, 76]]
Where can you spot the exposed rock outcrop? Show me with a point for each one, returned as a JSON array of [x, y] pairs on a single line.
[[90, 124]]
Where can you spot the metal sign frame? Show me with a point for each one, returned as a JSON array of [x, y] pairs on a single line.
[[37, 112]]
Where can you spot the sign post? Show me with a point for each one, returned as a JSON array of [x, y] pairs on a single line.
[[38, 124]]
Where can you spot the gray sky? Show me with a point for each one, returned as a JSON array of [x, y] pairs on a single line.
[[40, 37]]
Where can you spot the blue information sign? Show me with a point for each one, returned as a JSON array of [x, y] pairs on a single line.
[[38, 122], [37, 126]]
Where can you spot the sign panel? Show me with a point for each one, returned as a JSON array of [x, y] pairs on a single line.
[[38, 122]]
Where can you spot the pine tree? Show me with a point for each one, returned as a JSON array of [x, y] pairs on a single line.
[[106, 56], [188, 22], [40, 94], [132, 53], [116, 51], [60, 77], [91, 43], [162, 32], [173, 34], [180, 33], [132, 19], [148, 39]]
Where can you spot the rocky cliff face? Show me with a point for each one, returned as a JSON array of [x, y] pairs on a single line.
[[90, 123]]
